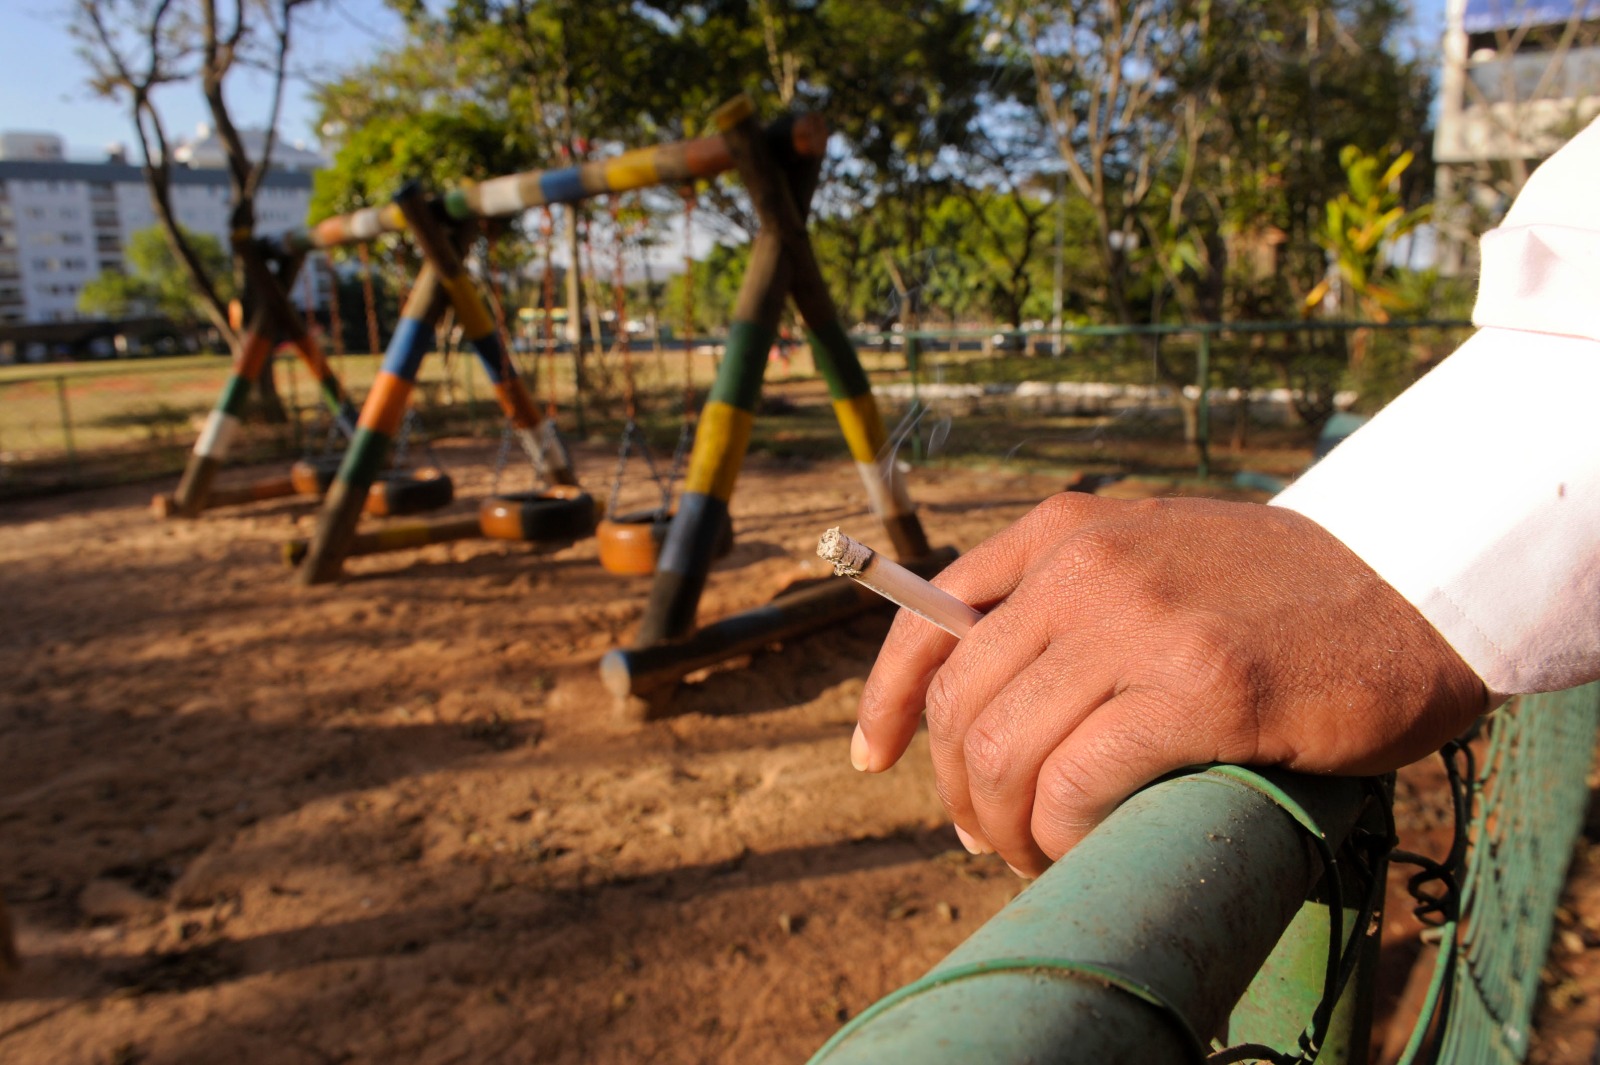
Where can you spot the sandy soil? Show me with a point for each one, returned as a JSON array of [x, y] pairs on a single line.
[[391, 820]]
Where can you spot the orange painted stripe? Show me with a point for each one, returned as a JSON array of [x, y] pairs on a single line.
[[312, 356], [707, 156], [257, 350], [386, 404], [516, 403], [330, 231]]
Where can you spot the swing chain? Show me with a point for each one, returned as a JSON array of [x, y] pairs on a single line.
[[631, 434], [402, 442]]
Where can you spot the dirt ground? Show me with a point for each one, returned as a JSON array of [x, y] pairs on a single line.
[[392, 820]]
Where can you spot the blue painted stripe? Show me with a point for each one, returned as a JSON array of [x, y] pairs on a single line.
[[493, 357], [411, 342], [562, 186], [692, 538]]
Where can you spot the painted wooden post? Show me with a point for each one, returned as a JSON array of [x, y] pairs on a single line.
[[539, 438], [380, 420]]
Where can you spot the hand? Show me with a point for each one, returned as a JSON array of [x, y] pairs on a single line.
[[1124, 640]]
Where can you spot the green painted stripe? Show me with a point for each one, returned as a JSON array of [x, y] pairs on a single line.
[[744, 361], [836, 360], [333, 396], [364, 458], [234, 394], [456, 205]]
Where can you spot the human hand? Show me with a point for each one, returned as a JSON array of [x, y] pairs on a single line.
[[1124, 640]]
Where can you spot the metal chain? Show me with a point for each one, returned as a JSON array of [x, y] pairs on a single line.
[[549, 296], [370, 300], [335, 324], [500, 459], [403, 441]]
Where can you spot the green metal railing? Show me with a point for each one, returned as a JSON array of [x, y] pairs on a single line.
[[1218, 949]]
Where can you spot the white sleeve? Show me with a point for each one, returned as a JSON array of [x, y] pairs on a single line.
[[1476, 494]]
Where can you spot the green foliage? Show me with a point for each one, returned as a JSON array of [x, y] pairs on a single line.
[[1361, 226], [716, 280], [938, 202], [157, 282]]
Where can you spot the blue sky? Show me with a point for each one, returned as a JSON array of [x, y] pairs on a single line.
[[42, 80]]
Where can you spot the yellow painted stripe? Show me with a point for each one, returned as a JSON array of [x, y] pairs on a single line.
[[862, 426], [396, 536], [719, 447], [632, 170], [386, 404], [470, 310]]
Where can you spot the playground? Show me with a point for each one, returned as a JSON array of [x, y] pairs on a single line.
[[392, 818], [442, 746]]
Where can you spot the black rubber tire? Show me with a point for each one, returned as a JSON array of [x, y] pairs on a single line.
[[399, 492], [314, 476], [559, 513]]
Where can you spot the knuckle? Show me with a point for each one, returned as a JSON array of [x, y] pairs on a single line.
[[1060, 791], [1204, 662], [988, 760], [1062, 810], [940, 703]]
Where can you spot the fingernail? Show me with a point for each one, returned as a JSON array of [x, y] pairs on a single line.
[[967, 841], [860, 756], [1019, 872]]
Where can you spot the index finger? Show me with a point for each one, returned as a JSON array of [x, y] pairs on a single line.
[[893, 698]]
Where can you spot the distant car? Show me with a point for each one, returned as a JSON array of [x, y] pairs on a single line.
[[1008, 342]]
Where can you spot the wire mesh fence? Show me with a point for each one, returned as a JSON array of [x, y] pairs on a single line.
[[1532, 796], [1108, 398]]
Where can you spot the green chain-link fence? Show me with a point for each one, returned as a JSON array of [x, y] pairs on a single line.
[[1531, 796], [1103, 398]]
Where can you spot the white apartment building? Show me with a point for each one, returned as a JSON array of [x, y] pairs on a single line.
[[63, 222], [1518, 78]]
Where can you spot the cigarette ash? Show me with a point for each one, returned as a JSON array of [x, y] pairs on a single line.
[[849, 557]]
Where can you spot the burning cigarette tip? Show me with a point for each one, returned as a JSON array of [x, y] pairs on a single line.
[[849, 556]]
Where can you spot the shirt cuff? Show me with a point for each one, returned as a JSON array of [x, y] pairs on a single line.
[[1476, 495]]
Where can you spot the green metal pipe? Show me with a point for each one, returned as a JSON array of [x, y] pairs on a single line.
[[1135, 946]]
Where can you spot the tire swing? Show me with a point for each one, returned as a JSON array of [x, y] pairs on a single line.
[[630, 543], [396, 492], [557, 514]]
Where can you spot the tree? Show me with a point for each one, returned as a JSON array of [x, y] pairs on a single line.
[[135, 47], [157, 282]]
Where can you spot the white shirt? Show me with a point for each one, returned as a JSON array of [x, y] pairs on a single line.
[[1476, 493]]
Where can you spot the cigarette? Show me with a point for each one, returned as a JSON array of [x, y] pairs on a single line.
[[852, 558]]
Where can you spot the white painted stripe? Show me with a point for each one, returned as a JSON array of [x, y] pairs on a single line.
[[366, 223], [216, 436], [500, 197], [887, 500]]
